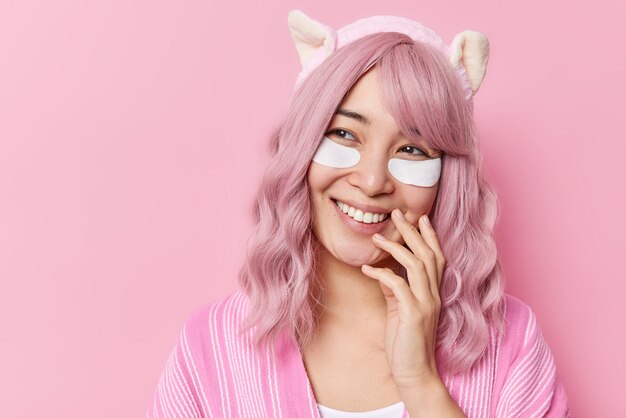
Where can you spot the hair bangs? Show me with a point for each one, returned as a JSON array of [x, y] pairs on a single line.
[[424, 96]]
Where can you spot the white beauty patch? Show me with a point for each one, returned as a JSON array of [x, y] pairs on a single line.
[[335, 155], [423, 173]]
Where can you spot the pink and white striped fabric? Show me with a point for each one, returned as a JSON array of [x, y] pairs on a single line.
[[213, 371]]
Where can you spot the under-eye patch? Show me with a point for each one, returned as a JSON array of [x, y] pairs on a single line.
[[423, 173], [332, 154]]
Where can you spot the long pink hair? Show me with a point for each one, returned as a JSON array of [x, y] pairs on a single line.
[[420, 89]]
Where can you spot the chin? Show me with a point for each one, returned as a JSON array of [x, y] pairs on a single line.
[[352, 256]]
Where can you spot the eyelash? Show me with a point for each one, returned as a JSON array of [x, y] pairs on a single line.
[[334, 131]]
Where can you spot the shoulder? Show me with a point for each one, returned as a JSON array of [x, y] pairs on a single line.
[[199, 359], [520, 324], [232, 304], [211, 321], [516, 309], [210, 335], [522, 347], [527, 382]]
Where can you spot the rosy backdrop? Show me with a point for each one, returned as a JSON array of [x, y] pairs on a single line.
[[133, 135]]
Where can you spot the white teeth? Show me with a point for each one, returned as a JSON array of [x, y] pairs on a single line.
[[359, 215]]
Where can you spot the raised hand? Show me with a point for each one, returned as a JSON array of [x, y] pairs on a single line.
[[413, 315], [412, 308]]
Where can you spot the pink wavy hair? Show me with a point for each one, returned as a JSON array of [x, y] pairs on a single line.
[[420, 89]]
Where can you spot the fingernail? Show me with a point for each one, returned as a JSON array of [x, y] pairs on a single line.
[[398, 214], [379, 237], [366, 267], [426, 220]]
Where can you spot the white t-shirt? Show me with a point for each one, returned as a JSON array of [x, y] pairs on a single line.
[[392, 411]]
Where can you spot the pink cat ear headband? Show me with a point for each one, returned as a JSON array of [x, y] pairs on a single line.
[[315, 41]]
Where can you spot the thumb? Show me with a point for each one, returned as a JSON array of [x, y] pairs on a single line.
[[392, 302]]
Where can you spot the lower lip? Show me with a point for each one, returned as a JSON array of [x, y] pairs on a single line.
[[360, 227]]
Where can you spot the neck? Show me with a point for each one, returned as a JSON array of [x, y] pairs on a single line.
[[351, 296]]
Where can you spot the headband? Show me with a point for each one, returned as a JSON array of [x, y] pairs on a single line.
[[468, 53]]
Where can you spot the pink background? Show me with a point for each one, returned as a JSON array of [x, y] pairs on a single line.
[[133, 135]]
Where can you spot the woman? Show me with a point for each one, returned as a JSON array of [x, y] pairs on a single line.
[[372, 286]]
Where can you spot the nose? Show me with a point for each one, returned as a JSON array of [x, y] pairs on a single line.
[[371, 175]]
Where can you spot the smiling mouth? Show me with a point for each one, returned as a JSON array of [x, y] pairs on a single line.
[[359, 216]]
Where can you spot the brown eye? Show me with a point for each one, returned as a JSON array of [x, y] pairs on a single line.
[[340, 133], [412, 150]]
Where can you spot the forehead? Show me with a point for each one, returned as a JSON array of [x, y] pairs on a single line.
[[364, 104], [366, 92]]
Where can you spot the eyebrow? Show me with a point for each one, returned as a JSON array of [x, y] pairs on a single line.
[[353, 115], [363, 119]]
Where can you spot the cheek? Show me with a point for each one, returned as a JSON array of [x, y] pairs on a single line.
[[320, 178], [419, 201]]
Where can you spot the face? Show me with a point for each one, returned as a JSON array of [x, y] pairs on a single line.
[[364, 124]]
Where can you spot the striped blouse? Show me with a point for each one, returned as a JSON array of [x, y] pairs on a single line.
[[213, 371]]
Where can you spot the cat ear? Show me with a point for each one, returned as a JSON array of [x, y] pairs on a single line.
[[309, 35], [471, 49]]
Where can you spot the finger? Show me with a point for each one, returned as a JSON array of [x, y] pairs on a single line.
[[401, 291], [417, 275], [419, 247], [430, 237]]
